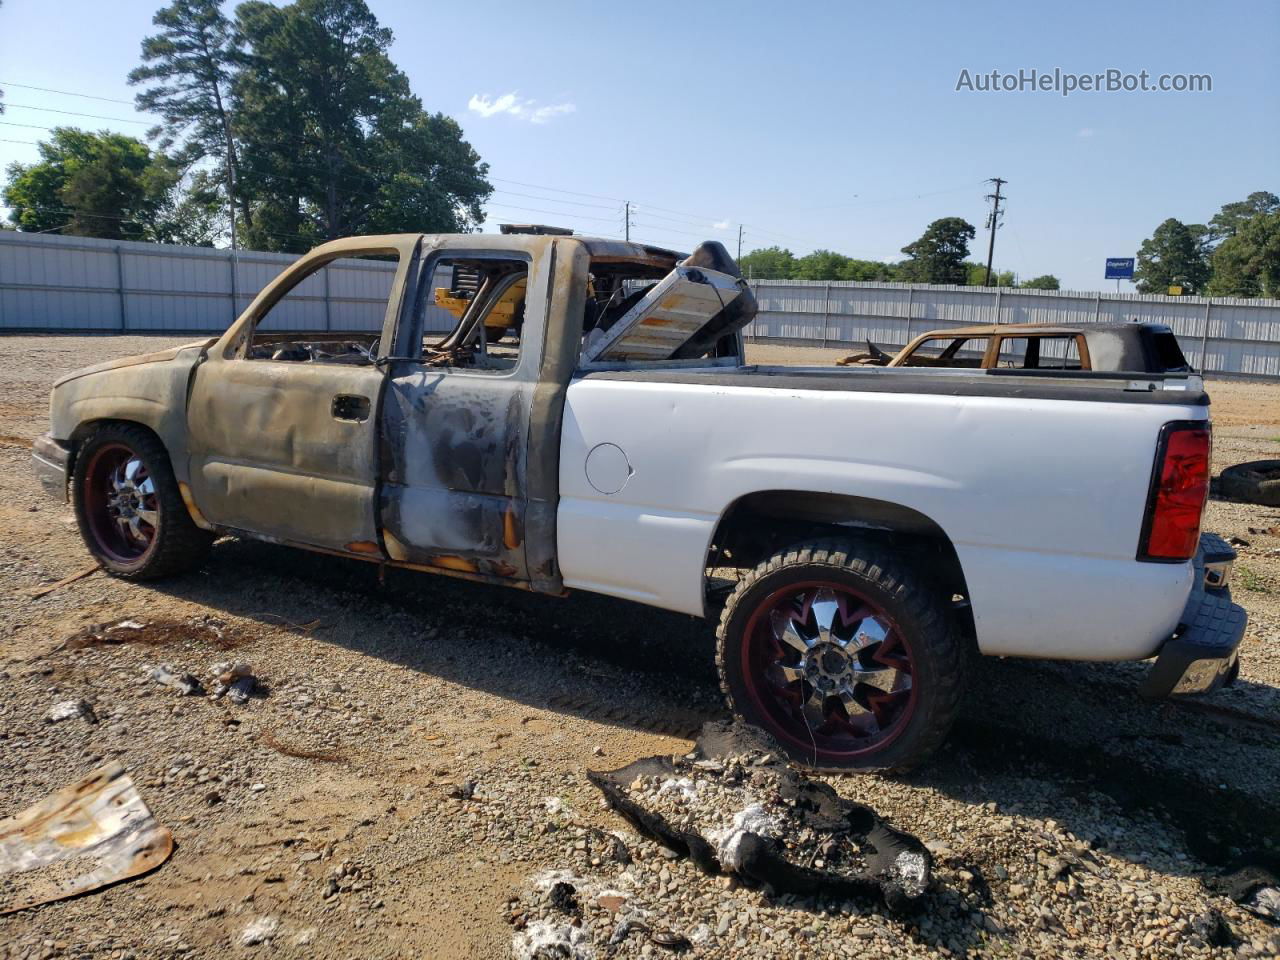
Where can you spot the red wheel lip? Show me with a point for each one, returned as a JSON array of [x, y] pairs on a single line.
[[779, 729], [93, 502]]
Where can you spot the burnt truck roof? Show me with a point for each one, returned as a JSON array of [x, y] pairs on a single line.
[[1051, 329]]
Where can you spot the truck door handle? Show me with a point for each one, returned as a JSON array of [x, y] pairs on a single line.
[[347, 406]]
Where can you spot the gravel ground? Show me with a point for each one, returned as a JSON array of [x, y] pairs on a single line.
[[407, 778]]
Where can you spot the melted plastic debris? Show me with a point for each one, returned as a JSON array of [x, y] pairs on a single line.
[[734, 807]]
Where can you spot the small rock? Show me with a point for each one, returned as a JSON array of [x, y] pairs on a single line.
[[185, 683], [259, 931], [68, 709], [240, 691]]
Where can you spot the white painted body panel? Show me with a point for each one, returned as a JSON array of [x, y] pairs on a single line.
[[1042, 499]]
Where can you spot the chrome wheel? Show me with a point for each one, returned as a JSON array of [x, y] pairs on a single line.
[[120, 503], [829, 668]]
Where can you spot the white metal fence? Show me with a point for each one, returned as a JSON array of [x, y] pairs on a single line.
[[51, 283]]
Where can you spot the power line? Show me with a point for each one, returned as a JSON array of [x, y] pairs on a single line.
[[681, 217], [74, 113], [576, 193], [671, 215], [65, 93]]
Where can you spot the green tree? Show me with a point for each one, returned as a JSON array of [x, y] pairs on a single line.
[[1228, 221], [91, 185], [822, 265], [193, 214], [976, 275], [940, 253], [332, 141], [1247, 263], [768, 263], [1044, 282], [189, 66], [869, 271], [1172, 256]]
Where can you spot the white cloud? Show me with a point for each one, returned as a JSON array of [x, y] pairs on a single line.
[[543, 114], [507, 103], [720, 225], [515, 105], [1085, 132]]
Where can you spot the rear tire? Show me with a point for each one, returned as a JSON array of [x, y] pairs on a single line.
[[129, 508], [848, 659], [1255, 482]]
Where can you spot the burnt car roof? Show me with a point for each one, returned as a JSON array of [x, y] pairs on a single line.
[[987, 329]]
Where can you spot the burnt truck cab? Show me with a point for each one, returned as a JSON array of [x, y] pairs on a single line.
[[421, 437]]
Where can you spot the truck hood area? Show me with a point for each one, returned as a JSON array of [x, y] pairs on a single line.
[[158, 356]]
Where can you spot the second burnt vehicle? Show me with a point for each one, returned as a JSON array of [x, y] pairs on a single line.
[[1107, 347], [856, 533]]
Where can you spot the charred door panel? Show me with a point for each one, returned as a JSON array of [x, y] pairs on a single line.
[[454, 453], [283, 429], [269, 454]]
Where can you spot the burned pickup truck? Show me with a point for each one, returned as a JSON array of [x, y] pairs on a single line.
[[856, 533]]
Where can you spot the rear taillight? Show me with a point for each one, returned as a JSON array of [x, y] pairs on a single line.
[[1179, 488]]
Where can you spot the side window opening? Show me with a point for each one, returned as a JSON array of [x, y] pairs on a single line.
[[944, 351], [1060, 352], [471, 310], [333, 315]]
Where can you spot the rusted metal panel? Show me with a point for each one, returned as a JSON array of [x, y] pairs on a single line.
[[83, 837]]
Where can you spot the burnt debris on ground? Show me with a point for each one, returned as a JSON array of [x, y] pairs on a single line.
[[733, 806]]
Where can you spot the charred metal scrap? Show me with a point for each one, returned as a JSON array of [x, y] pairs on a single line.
[[83, 837], [733, 806]]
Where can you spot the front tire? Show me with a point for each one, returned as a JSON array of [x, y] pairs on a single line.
[[129, 508], [847, 658]]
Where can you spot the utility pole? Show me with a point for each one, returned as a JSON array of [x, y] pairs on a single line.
[[739, 241], [235, 247], [626, 216], [993, 221]]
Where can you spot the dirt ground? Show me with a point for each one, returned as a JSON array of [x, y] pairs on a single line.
[[411, 768]]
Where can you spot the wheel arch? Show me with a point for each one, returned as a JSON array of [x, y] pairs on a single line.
[[756, 524]]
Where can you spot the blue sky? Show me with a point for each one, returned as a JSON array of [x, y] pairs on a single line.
[[813, 124]]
